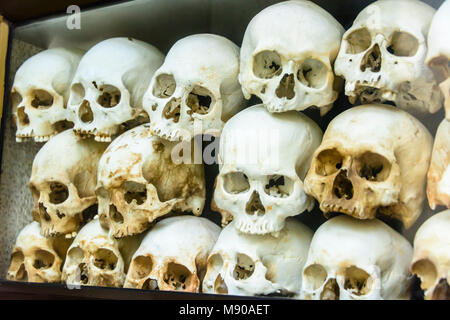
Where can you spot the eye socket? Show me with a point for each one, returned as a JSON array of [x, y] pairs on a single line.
[[267, 64], [314, 276], [357, 281], [328, 162], [58, 193], [313, 73], [105, 259], [426, 271], [403, 44], [235, 182], [373, 167], [279, 186], [17, 259], [110, 96], [165, 86], [141, 267], [244, 268], [16, 99], [77, 93], [134, 191], [178, 277], [41, 99], [199, 100], [358, 41], [43, 259]]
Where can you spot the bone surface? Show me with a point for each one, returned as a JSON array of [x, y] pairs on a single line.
[[431, 260], [173, 255], [40, 92], [36, 258], [196, 90], [350, 259], [258, 265], [438, 187], [287, 57], [139, 181], [373, 160], [62, 183], [263, 159], [106, 92], [382, 57]]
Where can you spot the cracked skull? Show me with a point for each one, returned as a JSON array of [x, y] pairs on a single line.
[[36, 258], [287, 56], [258, 265], [139, 181], [438, 187], [373, 160], [197, 82], [431, 260], [382, 56], [438, 56], [106, 92], [62, 183], [173, 255], [40, 93], [350, 259], [263, 159]]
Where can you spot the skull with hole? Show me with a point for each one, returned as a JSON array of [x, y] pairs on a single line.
[[438, 187], [173, 255], [40, 93], [263, 159], [287, 56], [62, 183], [36, 258], [197, 82], [373, 160], [438, 56], [350, 259], [107, 90], [431, 259], [382, 56], [139, 180], [257, 265], [97, 259]]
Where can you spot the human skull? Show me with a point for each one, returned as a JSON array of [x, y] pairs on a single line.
[[197, 82], [382, 56], [373, 160], [96, 259], [36, 258], [287, 57], [40, 93], [173, 255], [106, 92], [263, 159], [431, 260], [256, 265], [139, 181], [438, 187], [438, 56], [352, 259], [63, 180]]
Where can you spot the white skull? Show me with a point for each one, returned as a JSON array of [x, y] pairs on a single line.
[[373, 160], [351, 259], [438, 56], [287, 56], [197, 82], [431, 260], [96, 259], [256, 265], [382, 56], [263, 159], [63, 180], [36, 258], [40, 92], [106, 92], [173, 255], [438, 187], [138, 181]]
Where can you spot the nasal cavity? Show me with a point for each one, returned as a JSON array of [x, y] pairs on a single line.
[[330, 290], [442, 290], [172, 110], [372, 59], [23, 116], [286, 87], [254, 205], [342, 186], [85, 112]]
